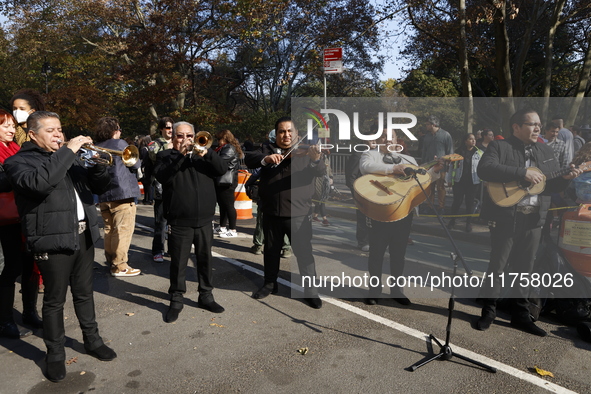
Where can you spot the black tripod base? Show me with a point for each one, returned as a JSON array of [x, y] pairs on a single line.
[[446, 353]]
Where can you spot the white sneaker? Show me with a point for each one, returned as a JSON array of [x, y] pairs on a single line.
[[229, 234], [220, 230], [126, 272]]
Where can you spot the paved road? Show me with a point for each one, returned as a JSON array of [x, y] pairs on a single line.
[[253, 346]]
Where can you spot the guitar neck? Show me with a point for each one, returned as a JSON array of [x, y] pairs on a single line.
[[555, 174]]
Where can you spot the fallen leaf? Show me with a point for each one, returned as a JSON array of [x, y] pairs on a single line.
[[542, 372], [129, 314], [216, 325], [303, 351], [72, 360]]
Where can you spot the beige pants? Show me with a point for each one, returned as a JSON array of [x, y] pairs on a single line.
[[119, 218], [438, 184]]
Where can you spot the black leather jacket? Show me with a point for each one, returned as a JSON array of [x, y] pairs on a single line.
[[229, 155]]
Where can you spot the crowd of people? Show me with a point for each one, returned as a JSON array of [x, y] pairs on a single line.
[[56, 184]]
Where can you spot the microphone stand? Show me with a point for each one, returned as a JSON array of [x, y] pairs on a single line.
[[445, 352]]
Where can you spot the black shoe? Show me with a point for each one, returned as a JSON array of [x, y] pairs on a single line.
[[32, 319], [56, 370], [529, 327], [211, 306], [485, 322], [172, 314], [314, 302], [11, 330], [268, 288], [103, 353], [371, 301], [451, 224]]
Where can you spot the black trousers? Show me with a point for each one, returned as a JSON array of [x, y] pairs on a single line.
[[299, 232], [59, 271], [391, 235], [467, 192], [362, 226], [16, 260], [516, 251], [179, 245], [225, 200], [159, 228]]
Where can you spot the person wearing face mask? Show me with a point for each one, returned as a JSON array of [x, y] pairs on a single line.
[[24, 103]]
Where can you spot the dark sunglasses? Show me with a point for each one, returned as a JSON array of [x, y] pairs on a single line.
[[390, 159]]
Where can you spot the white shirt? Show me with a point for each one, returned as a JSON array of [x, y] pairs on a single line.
[[372, 162]]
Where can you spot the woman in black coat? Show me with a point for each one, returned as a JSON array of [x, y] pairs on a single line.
[[230, 151]]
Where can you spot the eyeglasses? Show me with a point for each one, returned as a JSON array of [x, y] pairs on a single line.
[[180, 136], [167, 128], [531, 124]]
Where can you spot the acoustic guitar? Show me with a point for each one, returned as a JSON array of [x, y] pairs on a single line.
[[388, 198], [510, 193]]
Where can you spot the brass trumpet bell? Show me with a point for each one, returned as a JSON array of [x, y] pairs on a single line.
[[129, 155], [203, 140]]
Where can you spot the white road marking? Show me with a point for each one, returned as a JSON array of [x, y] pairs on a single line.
[[412, 332]]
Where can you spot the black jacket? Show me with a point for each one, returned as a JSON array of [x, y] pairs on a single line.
[[123, 182], [285, 190], [229, 155], [504, 161], [44, 184], [188, 189], [352, 171]]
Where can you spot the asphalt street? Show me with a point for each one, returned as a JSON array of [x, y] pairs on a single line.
[[279, 344]]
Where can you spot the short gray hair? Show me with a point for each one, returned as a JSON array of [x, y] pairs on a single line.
[[33, 121], [177, 124]]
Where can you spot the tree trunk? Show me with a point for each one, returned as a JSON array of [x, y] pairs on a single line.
[[582, 84], [555, 22], [465, 71], [502, 65], [525, 44]]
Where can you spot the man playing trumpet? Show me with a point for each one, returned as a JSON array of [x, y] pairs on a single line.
[[187, 175], [117, 204], [53, 192]]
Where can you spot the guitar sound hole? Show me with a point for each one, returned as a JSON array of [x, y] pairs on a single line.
[[525, 185]]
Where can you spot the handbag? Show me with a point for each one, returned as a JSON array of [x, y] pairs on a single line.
[[8, 211], [226, 179]]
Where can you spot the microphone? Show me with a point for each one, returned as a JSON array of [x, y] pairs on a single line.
[[413, 171]]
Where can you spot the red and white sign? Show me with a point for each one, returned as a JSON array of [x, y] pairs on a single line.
[[333, 60]]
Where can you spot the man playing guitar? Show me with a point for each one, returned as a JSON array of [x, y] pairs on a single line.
[[394, 234], [515, 230]]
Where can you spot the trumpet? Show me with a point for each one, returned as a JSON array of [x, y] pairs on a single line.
[[93, 155], [203, 141]]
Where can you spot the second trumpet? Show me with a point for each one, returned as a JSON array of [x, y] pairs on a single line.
[[129, 155]]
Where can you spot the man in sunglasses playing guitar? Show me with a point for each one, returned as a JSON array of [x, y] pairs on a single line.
[[392, 234], [516, 226]]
